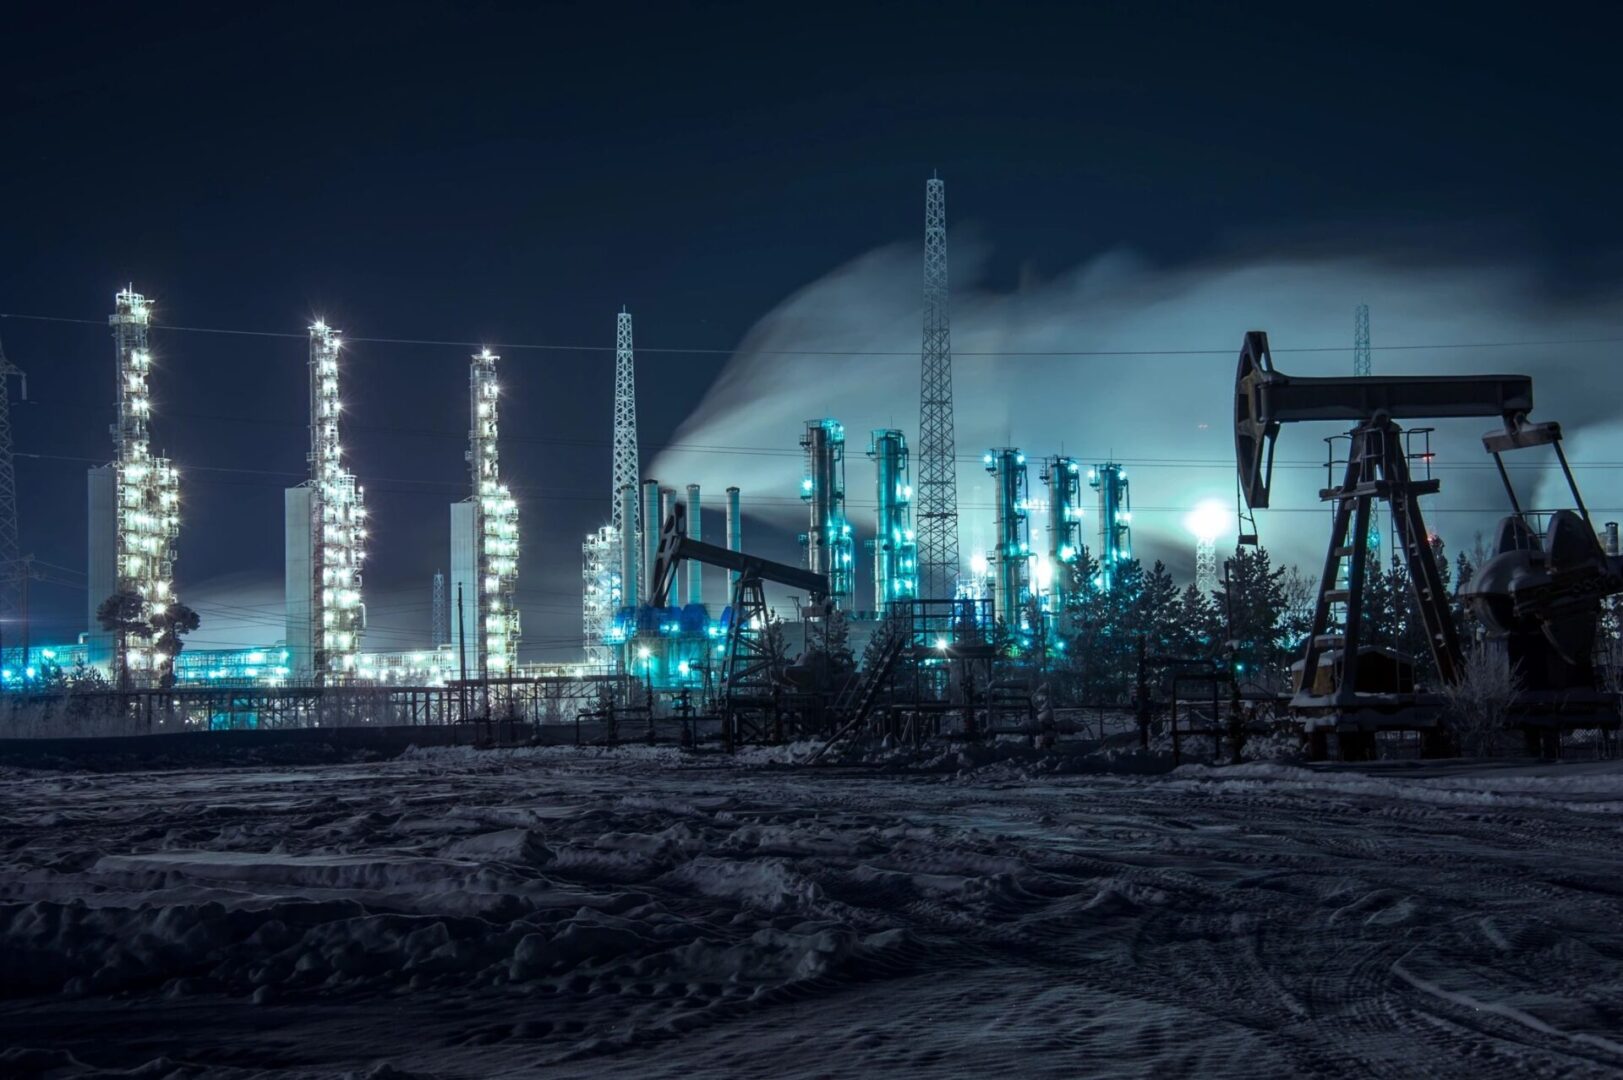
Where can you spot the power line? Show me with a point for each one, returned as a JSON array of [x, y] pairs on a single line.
[[713, 351]]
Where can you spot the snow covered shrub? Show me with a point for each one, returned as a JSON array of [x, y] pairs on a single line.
[[1480, 701]]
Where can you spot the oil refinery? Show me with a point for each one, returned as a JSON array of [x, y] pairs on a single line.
[[944, 640]]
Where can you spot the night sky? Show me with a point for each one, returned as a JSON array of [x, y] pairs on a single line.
[[489, 173]]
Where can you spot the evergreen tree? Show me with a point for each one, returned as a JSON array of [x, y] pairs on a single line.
[[1252, 597]]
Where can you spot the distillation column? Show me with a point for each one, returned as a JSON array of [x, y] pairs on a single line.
[[1064, 479], [495, 531], [135, 515], [828, 541], [1115, 518], [326, 533], [895, 546], [1011, 559]]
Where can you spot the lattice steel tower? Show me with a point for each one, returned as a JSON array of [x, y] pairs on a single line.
[[439, 633], [937, 516], [1361, 364], [10, 544], [625, 416]]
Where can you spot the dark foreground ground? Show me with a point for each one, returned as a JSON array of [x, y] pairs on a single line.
[[581, 913]]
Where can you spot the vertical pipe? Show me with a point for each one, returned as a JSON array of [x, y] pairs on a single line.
[[1064, 479], [630, 583], [651, 524], [895, 545], [1611, 539], [829, 545], [1012, 555], [735, 531], [695, 568]]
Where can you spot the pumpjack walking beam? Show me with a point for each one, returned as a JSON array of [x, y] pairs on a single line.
[[1377, 468]]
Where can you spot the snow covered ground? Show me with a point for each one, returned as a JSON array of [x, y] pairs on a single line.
[[639, 914]]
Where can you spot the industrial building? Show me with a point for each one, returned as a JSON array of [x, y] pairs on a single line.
[[672, 641]]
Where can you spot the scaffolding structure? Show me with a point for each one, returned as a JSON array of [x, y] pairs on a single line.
[[337, 523], [937, 517], [895, 545], [146, 506], [495, 528]]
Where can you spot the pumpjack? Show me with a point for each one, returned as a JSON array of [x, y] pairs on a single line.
[[1539, 598], [752, 697]]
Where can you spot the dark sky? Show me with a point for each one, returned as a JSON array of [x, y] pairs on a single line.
[[514, 173]]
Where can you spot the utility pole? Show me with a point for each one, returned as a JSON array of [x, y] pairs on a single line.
[[462, 651]]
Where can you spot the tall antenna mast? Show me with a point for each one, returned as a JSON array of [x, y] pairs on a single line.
[[937, 516]]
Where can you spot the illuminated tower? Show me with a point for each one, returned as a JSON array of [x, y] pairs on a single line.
[[1011, 558], [895, 546], [827, 541], [605, 585], [484, 539], [326, 534], [1064, 479], [134, 515], [1115, 519], [937, 518]]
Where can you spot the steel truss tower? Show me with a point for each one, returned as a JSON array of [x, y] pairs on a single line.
[[146, 502], [495, 528], [625, 416], [337, 522], [440, 633], [11, 568], [937, 516], [1361, 360], [604, 590]]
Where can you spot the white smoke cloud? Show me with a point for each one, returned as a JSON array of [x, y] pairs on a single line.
[[1167, 417]]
